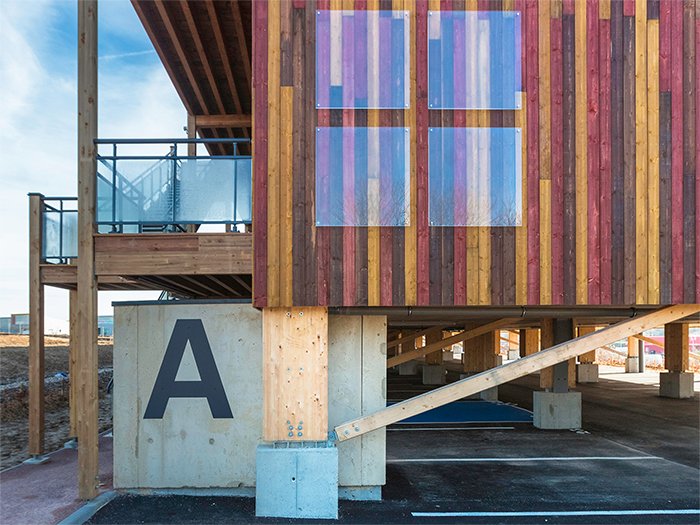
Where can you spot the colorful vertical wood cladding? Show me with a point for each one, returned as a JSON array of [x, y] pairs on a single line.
[[610, 169]]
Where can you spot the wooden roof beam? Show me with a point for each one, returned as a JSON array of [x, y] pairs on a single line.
[[242, 44], [223, 121]]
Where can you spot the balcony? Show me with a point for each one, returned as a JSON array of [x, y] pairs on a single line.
[[151, 209]]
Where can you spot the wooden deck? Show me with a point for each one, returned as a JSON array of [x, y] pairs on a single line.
[[197, 265]]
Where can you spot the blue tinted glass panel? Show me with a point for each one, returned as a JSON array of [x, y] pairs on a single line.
[[475, 176], [474, 60], [363, 176], [362, 59]]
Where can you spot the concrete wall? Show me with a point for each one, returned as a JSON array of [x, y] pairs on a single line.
[[189, 449]]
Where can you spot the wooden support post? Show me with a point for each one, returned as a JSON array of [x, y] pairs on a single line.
[[86, 329], [471, 353], [529, 342], [590, 356], [192, 152], [434, 358], [73, 363], [36, 329], [677, 351], [511, 371], [548, 339], [295, 374]]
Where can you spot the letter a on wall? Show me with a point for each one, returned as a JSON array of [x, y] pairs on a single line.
[[208, 386]]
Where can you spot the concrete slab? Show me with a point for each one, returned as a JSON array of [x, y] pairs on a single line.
[[553, 411], [37, 460], [632, 365], [408, 369]]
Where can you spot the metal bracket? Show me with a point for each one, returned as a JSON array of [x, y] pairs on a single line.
[[332, 437]]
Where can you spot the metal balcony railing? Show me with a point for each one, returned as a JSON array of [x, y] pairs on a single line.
[[143, 191], [59, 222]]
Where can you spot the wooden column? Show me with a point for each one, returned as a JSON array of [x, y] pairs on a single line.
[[632, 347], [677, 349], [529, 342], [86, 322], [590, 356], [433, 358], [73, 362], [295, 374], [36, 329], [192, 152]]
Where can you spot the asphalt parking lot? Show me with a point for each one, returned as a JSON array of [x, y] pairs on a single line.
[[636, 460]]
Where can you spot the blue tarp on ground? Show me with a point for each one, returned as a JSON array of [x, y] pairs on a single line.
[[473, 412]]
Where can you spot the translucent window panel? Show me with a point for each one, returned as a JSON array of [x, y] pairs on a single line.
[[474, 60], [60, 235], [211, 191], [475, 176], [362, 59], [363, 176]]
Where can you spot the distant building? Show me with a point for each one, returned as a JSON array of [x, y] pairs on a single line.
[[19, 324], [105, 325]]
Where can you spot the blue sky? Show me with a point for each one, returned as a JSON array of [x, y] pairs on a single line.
[[38, 118]]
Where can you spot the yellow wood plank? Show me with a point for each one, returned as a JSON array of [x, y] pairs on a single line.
[[273, 154], [411, 233], [677, 350], [581, 156], [286, 194], [641, 158], [521, 231], [604, 10], [556, 9], [653, 296], [545, 156], [295, 374], [590, 356], [484, 232]]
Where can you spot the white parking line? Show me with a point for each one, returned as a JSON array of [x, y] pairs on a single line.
[[443, 428], [554, 513], [519, 460]]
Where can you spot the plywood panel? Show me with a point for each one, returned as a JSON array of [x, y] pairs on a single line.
[[295, 374]]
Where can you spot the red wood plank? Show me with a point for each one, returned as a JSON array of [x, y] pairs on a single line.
[[533, 163], [593, 152], [323, 240], [349, 195], [555, 35], [260, 161], [605, 165], [689, 152], [386, 252], [569, 7], [460, 233], [677, 151], [311, 118], [665, 45], [697, 156], [628, 7], [423, 242]]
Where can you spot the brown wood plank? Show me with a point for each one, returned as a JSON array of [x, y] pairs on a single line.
[[569, 156], [146, 242], [617, 155], [223, 121], [311, 116], [298, 66], [36, 328], [665, 202], [629, 159], [689, 153]]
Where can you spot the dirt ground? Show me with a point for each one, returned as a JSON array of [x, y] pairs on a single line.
[[14, 410], [14, 356]]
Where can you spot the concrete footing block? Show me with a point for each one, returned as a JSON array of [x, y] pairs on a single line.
[[434, 375], [37, 460], [587, 373], [678, 385], [73, 443], [373, 493], [553, 411], [297, 480], [513, 354], [632, 365], [409, 368]]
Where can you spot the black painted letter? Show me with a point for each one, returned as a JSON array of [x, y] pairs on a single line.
[[208, 386]]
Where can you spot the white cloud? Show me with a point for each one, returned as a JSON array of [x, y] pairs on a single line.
[[38, 121]]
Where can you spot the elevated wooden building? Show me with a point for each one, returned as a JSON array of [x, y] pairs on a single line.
[[454, 166]]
